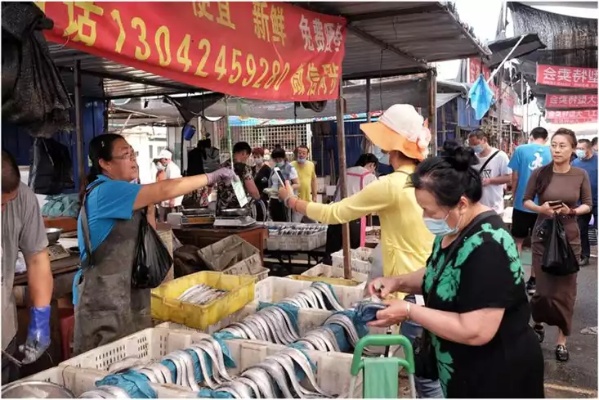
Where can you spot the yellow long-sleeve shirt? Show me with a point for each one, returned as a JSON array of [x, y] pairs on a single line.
[[406, 243]]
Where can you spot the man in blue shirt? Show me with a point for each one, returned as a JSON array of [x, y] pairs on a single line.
[[587, 160], [525, 160]]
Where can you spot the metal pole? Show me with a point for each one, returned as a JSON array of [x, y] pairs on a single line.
[[432, 109], [499, 109], [367, 144], [522, 100], [79, 124], [347, 274]]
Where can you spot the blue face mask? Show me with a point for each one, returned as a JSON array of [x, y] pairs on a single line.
[[581, 154], [280, 164], [439, 227], [477, 149]]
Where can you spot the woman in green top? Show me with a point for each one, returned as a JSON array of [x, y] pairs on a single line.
[[476, 310]]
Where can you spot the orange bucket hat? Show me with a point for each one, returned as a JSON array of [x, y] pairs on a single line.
[[400, 128]]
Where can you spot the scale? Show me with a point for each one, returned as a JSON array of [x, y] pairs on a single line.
[[234, 222], [191, 217], [57, 252]]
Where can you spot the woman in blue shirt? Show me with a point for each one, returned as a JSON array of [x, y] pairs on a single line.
[[108, 308]]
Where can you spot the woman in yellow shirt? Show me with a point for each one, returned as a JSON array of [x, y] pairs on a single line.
[[406, 243]]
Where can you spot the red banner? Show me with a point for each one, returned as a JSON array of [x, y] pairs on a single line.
[[557, 101], [257, 50], [572, 77], [571, 117]]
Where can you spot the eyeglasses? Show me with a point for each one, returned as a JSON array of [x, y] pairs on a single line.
[[132, 155]]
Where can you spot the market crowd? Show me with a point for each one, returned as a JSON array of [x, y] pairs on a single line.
[[450, 270]]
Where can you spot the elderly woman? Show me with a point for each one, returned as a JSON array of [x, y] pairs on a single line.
[[405, 241], [108, 306], [564, 192], [476, 310]]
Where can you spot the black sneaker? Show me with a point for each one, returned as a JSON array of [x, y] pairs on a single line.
[[561, 353], [531, 286]]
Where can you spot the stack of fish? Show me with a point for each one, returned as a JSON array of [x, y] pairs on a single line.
[[292, 229], [277, 376], [319, 295], [270, 324], [201, 294]]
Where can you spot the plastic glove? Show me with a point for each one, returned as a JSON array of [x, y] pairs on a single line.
[[38, 334], [221, 174]]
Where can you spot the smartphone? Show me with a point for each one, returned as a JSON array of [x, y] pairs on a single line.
[[556, 203], [279, 175]]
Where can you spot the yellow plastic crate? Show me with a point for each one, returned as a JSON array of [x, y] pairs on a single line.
[[167, 307], [331, 281]]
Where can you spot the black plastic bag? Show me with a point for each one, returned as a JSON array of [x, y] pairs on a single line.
[[558, 258], [51, 170], [153, 260]]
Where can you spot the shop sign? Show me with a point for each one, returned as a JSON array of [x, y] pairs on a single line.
[[257, 50], [572, 77], [571, 117], [560, 101]]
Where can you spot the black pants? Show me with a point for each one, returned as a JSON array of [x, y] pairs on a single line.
[[10, 372], [335, 239], [583, 225], [278, 211]]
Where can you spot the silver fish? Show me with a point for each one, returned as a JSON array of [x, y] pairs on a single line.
[[239, 387], [203, 366], [263, 381], [220, 356], [275, 370], [288, 364], [301, 360], [115, 391], [251, 384]]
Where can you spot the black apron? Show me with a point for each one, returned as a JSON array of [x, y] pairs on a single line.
[[108, 307]]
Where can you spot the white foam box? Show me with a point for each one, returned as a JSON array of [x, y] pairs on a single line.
[[274, 289], [79, 381], [360, 259], [250, 266], [152, 344]]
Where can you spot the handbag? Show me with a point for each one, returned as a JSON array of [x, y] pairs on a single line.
[[558, 258], [425, 358], [152, 261]]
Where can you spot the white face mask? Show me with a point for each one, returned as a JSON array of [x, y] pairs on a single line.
[[160, 167], [258, 160]]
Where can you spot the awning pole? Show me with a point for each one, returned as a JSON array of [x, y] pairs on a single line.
[[366, 144], [347, 273], [432, 109], [79, 124]]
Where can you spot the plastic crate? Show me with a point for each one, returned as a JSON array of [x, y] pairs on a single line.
[[274, 289], [294, 242], [360, 259], [250, 266], [150, 345], [79, 381], [167, 307], [308, 319], [227, 252], [328, 271]]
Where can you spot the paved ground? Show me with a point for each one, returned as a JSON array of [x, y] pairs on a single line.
[[578, 377]]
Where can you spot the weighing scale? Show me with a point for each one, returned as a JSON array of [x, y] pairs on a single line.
[[234, 222], [57, 252], [190, 217]]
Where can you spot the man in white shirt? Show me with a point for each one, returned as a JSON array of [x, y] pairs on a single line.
[[493, 168], [172, 172]]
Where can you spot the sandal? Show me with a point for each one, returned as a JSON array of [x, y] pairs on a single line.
[[540, 331], [561, 353]]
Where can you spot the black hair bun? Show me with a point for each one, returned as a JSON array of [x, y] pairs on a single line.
[[459, 157]]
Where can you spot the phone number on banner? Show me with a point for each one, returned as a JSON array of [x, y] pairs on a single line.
[[183, 55]]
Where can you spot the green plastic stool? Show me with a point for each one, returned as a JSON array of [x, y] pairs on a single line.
[[381, 374]]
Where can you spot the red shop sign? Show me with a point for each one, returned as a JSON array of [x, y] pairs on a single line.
[[257, 50], [572, 77], [571, 117], [557, 101]]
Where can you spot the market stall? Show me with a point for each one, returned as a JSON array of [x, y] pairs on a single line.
[[282, 53]]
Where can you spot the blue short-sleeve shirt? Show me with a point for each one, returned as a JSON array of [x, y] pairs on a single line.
[[108, 202]]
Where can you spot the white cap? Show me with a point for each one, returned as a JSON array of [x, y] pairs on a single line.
[[165, 154]]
